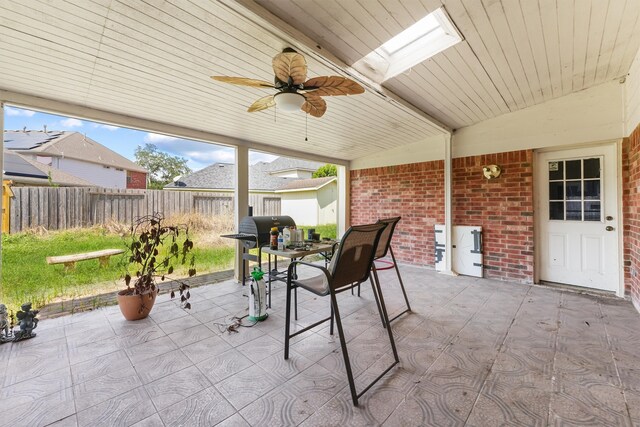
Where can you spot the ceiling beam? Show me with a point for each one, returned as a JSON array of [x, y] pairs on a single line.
[[116, 119], [257, 14]]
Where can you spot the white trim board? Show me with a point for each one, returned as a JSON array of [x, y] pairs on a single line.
[[595, 114]]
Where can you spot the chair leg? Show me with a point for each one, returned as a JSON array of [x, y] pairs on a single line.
[[345, 354], [295, 304], [331, 324], [287, 322], [358, 289], [404, 292], [375, 295], [386, 316]]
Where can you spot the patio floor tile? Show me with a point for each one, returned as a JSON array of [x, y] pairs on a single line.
[[123, 410], [472, 352]]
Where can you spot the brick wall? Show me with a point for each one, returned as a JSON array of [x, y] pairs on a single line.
[[414, 191], [136, 180], [631, 206], [503, 207]]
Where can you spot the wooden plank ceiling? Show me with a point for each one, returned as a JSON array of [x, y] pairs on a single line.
[[153, 60], [516, 53]]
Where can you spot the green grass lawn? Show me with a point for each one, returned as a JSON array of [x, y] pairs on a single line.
[[328, 230], [26, 276]]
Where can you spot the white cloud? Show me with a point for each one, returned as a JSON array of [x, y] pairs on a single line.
[[11, 111], [71, 123], [107, 127], [156, 137], [210, 157]]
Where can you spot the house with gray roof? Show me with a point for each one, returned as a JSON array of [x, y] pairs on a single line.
[[72, 154], [22, 171], [281, 187]]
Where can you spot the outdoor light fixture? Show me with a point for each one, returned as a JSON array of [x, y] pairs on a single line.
[[491, 171], [289, 101]]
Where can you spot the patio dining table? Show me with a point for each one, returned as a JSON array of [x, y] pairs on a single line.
[[324, 248]]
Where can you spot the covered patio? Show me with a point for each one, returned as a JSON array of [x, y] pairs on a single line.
[[473, 352], [546, 92]]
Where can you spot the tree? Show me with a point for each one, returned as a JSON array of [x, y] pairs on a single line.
[[162, 167], [326, 170]]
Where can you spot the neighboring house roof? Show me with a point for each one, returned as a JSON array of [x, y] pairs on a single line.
[[282, 164], [22, 169], [73, 145], [220, 176], [17, 166], [311, 184]]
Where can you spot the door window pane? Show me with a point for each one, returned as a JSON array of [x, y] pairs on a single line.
[[556, 170], [574, 211], [592, 211], [592, 168], [592, 190], [573, 190], [556, 191], [573, 169], [556, 210]]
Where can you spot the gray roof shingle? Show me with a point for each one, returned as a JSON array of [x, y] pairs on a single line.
[[306, 184], [220, 176]]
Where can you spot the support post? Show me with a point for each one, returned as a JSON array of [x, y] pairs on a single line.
[[241, 203], [344, 200], [448, 211]]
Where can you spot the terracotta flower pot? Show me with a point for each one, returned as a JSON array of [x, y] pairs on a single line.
[[136, 307]]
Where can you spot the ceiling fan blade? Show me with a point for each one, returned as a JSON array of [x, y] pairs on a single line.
[[333, 86], [290, 64], [314, 105], [243, 81], [262, 103]]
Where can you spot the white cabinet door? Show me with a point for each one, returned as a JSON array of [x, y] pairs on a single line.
[[577, 211]]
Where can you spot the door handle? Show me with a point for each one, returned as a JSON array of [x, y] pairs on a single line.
[[609, 218], [609, 228]]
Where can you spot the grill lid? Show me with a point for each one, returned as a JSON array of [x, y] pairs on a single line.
[[260, 226]]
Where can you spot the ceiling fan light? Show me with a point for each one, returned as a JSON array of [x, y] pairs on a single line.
[[289, 101]]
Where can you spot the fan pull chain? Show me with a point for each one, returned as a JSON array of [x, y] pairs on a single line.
[[306, 127]]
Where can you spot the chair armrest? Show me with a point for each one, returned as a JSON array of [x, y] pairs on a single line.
[[308, 264]]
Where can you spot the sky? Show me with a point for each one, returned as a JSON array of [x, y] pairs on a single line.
[[124, 141]]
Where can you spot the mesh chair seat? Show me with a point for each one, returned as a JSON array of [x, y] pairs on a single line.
[[318, 285]]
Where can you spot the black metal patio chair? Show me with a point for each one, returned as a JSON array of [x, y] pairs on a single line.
[[351, 264], [384, 248]]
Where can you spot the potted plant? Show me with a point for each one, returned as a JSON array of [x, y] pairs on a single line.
[[154, 250]]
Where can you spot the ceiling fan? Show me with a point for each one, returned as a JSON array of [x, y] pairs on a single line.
[[294, 90]]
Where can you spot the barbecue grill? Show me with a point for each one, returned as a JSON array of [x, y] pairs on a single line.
[[254, 231]]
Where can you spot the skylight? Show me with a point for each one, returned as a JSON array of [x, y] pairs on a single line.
[[427, 37]]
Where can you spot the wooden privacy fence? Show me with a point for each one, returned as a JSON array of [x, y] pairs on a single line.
[[59, 208]]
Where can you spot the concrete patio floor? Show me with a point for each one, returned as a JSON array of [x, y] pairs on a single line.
[[474, 352]]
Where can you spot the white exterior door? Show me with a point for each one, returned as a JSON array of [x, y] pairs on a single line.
[[577, 211]]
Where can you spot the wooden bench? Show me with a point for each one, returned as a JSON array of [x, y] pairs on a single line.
[[69, 261]]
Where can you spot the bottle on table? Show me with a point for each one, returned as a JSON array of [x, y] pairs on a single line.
[[286, 236], [273, 240], [280, 242]]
